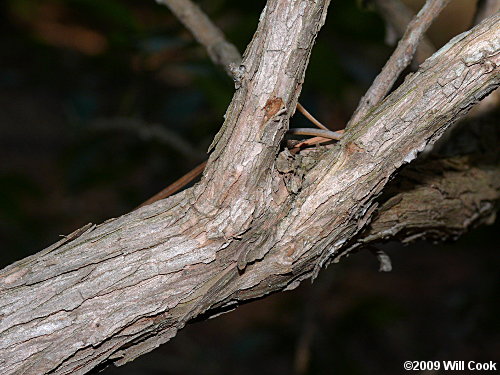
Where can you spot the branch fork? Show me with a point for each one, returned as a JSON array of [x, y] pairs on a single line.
[[120, 289]]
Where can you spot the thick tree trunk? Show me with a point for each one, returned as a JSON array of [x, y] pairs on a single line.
[[261, 220]]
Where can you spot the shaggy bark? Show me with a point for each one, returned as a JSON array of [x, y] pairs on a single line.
[[260, 221]]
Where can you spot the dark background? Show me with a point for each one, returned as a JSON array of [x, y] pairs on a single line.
[[104, 102]]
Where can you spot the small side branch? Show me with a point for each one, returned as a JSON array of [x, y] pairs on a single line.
[[310, 117], [328, 134], [177, 184], [400, 59]]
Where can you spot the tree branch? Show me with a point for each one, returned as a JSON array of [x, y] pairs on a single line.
[[398, 16], [254, 225], [445, 199], [400, 58]]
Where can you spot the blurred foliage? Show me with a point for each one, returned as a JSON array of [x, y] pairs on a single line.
[[106, 102]]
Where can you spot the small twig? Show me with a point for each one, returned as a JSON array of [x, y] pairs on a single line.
[[177, 185], [398, 16], [309, 142], [310, 117], [316, 133], [400, 58], [312, 141]]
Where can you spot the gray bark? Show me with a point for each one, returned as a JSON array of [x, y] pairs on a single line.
[[260, 220]]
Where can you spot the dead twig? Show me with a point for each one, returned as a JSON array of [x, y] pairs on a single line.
[[400, 58], [310, 117], [177, 185], [316, 133]]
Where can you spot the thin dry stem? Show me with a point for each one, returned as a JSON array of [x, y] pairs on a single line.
[[316, 133], [177, 184], [310, 117]]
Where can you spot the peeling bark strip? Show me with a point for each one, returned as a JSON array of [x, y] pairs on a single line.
[[128, 285]]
